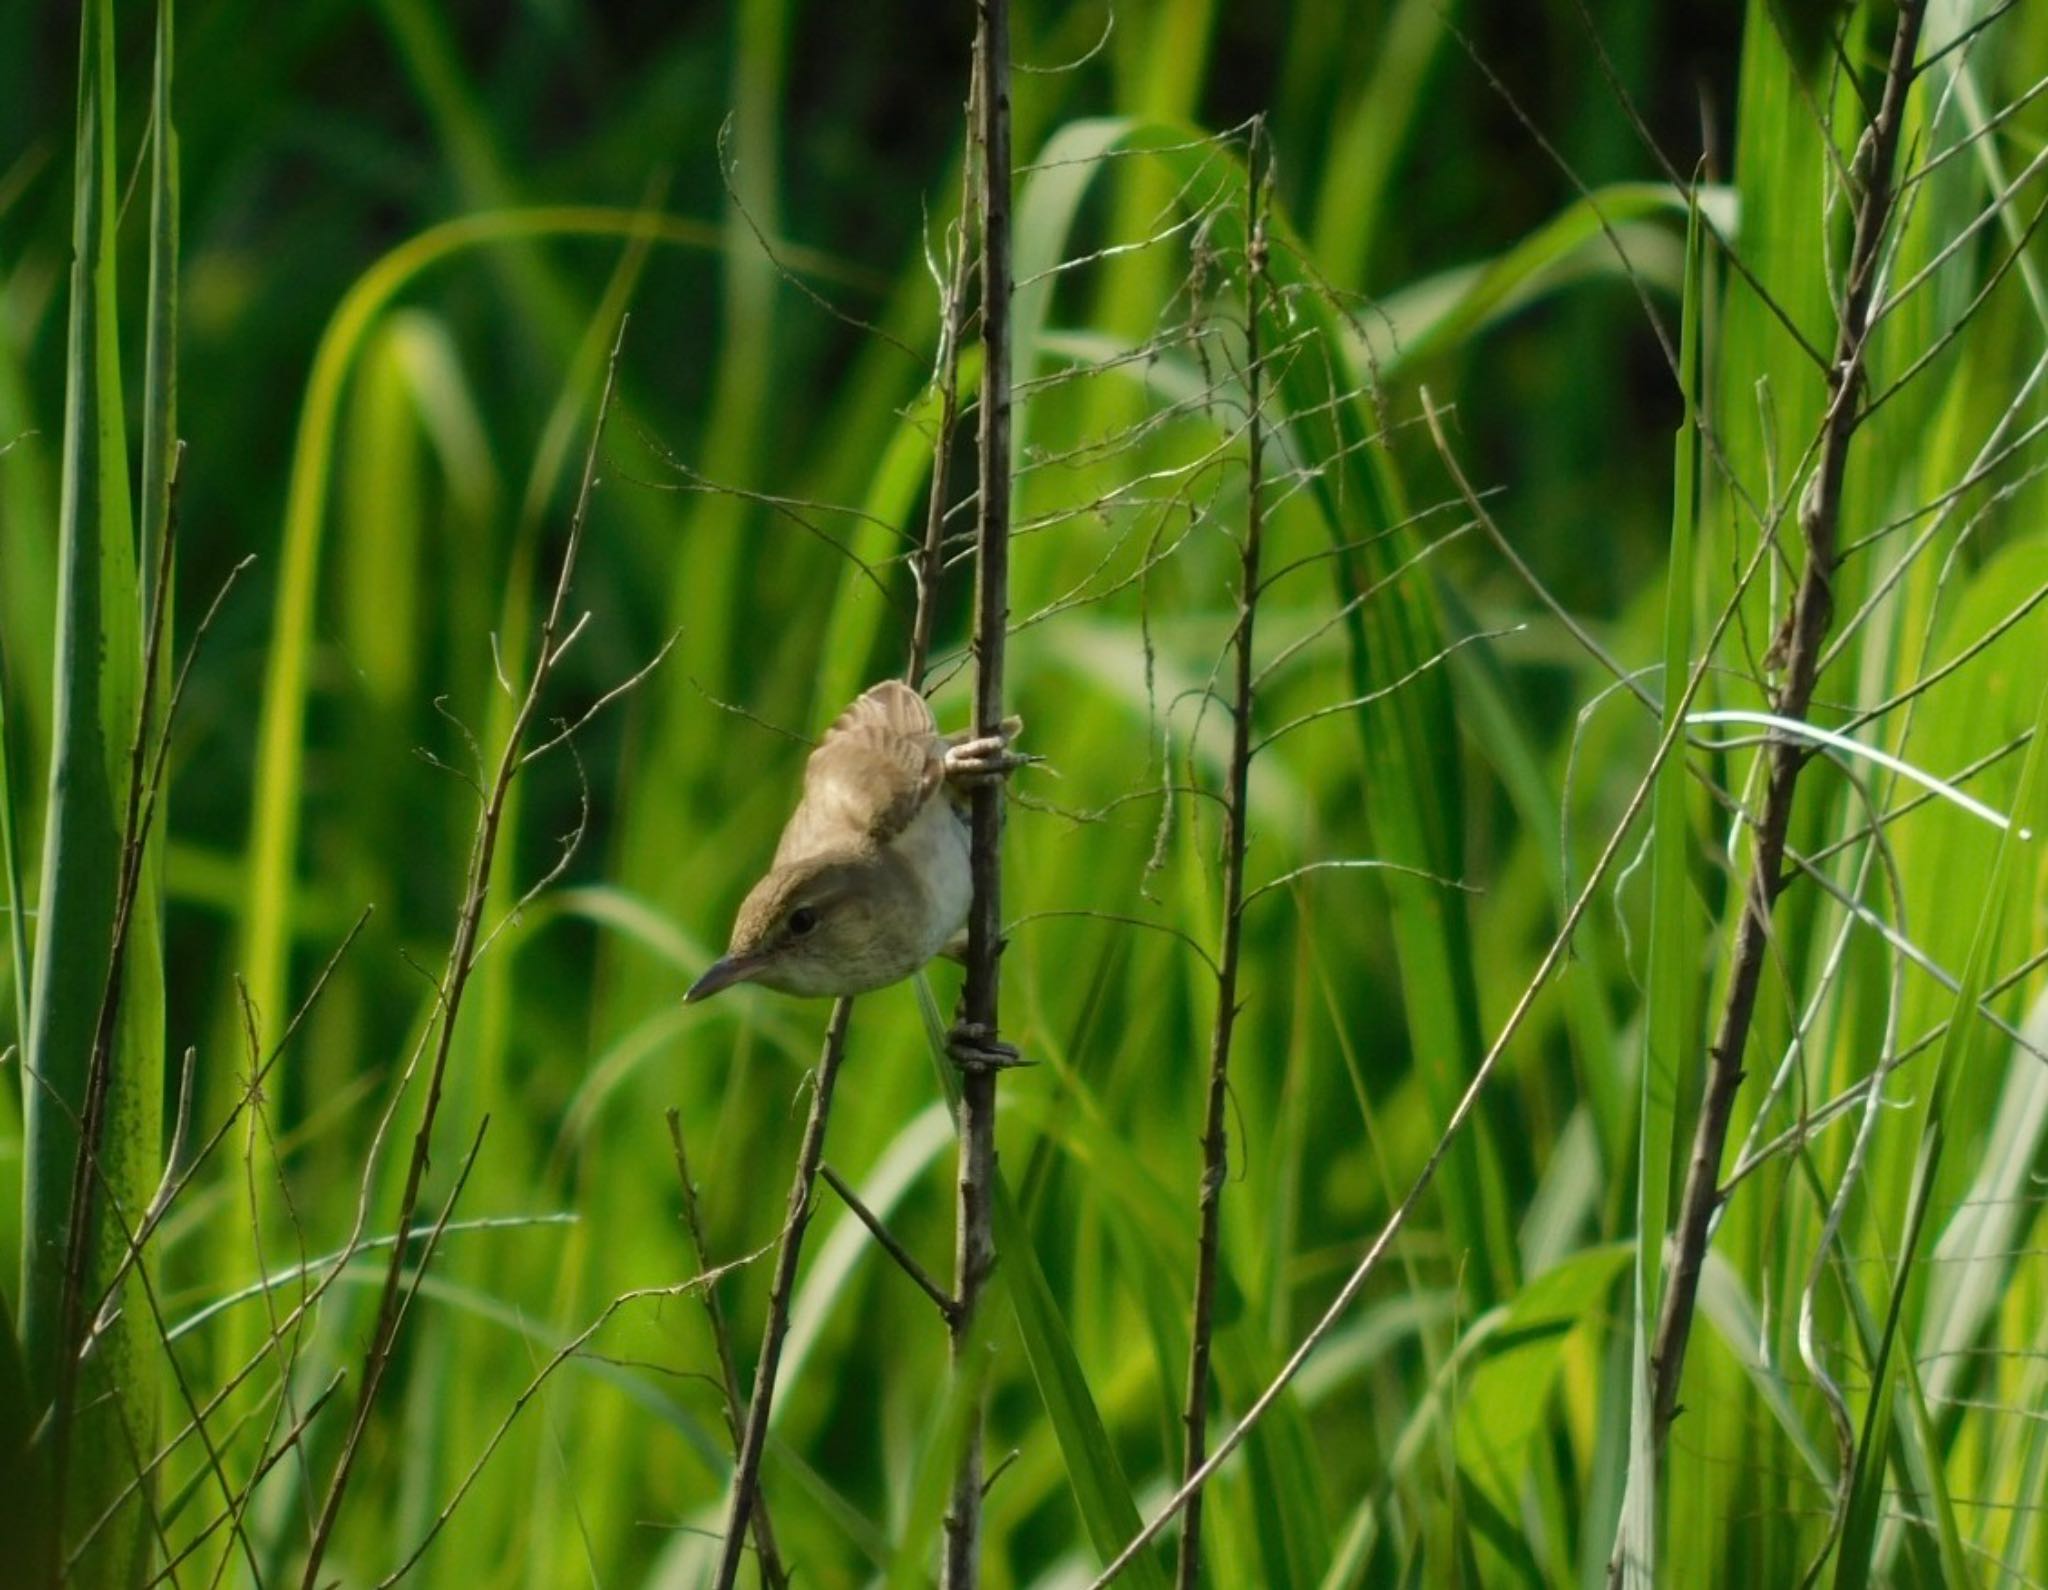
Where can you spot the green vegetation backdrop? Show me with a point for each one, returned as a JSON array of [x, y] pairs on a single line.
[[386, 266]]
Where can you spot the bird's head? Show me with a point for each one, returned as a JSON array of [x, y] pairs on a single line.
[[817, 926]]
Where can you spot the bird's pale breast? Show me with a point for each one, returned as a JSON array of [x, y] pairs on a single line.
[[935, 845]]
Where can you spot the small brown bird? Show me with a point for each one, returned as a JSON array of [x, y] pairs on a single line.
[[871, 878]]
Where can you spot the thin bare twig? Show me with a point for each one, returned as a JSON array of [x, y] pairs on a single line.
[[746, 1479], [905, 1259]]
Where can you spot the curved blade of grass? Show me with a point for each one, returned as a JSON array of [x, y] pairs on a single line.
[[21, 989], [1436, 314], [1349, 207], [1101, 1492], [1672, 1059], [267, 920]]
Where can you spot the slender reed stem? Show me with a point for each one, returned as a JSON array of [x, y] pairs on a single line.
[[974, 1254], [1215, 1139], [1804, 637]]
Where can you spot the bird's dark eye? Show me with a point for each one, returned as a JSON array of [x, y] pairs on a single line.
[[802, 920]]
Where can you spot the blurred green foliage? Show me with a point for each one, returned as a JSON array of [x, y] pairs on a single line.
[[408, 232]]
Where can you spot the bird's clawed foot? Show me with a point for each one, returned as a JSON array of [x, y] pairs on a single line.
[[974, 1048], [985, 758]]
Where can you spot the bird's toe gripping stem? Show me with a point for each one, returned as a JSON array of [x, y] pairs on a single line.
[[985, 758], [974, 1047]]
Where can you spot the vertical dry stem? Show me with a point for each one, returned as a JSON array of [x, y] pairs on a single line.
[[1215, 1139], [1807, 628], [974, 1246]]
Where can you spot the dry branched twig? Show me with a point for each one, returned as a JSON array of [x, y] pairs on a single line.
[[1806, 634], [554, 640], [1236, 812]]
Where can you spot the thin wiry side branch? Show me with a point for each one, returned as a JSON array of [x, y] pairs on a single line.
[[974, 1254], [1361, 864], [461, 961], [1813, 606], [561, 1355], [273, 1455], [770, 1559], [1366, 700], [1124, 920], [1236, 811], [905, 1259]]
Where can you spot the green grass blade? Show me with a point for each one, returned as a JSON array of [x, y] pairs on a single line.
[[1505, 1395], [98, 695], [20, 990], [1672, 1063], [24, 1478], [1100, 1490]]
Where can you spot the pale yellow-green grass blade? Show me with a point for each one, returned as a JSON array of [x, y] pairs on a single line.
[[1672, 1062]]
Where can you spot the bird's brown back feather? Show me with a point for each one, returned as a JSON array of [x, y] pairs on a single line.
[[878, 764]]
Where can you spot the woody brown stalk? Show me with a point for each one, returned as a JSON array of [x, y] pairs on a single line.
[[1805, 632], [1215, 1140], [974, 1246]]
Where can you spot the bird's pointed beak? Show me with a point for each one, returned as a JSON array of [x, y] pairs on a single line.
[[722, 973]]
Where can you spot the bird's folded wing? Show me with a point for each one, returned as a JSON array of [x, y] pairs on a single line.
[[869, 777]]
